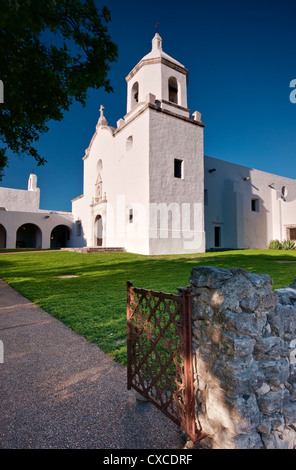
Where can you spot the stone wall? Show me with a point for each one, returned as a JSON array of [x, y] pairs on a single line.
[[244, 354]]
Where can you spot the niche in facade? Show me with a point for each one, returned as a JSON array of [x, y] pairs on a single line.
[[99, 182], [129, 143]]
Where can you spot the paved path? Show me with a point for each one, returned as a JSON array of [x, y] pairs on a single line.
[[59, 391]]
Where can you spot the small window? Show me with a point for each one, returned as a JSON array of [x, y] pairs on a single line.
[[1, 92], [217, 237], [178, 168], [255, 205], [131, 216], [292, 233], [78, 228], [206, 197]]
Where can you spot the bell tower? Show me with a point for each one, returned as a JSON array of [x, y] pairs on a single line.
[[160, 75]]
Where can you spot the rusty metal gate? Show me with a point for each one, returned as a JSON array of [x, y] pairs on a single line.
[[159, 353]]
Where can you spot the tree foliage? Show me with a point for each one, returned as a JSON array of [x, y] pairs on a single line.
[[52, 52]]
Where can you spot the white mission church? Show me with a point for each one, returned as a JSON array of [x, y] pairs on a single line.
[[148, 187]]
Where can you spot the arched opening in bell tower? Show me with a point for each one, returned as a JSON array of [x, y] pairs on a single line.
[[134, 95], [173, 90]]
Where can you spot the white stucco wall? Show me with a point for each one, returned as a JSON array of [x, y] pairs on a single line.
[[124, 156], [19, 199], [176, 138], [44, 220], [131, 182], [99, 160], [229, 199]]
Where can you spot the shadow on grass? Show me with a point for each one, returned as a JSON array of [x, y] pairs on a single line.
[[94, 304]]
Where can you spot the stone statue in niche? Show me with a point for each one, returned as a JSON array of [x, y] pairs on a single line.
[[98, 190], [99, 183]]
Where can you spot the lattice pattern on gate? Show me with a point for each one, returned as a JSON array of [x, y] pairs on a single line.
[[160, 354]]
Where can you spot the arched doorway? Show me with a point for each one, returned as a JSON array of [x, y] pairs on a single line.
[[99, 231], [2, 237], [28, 236], [59, 236]]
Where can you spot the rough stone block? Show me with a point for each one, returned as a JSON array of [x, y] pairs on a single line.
[[289, 411], [283, 321], [279, 439], [248, 441], [271, 402], [201, 310], [245, 324], [287, 295], [260, 280], [238, 378], [249, 413], [264, 426], [275, 372], [263, 389], [249, 305], [237, 346], [209, 276], [270, 348]]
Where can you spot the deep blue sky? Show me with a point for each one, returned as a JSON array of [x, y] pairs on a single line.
[[241, 59]]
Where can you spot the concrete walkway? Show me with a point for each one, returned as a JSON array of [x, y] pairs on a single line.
[[59, 391]]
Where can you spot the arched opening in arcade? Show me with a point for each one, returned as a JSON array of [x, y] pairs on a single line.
[[28, 236], [2, 236], [59, 236]]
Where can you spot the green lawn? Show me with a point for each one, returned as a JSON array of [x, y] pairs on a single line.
[[94, 304]]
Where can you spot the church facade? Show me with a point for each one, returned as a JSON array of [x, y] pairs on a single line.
[[149, 188], [140, 192]]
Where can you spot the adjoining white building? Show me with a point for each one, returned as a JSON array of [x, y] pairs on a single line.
[[247, 208], [148, 188], [24, 225]]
